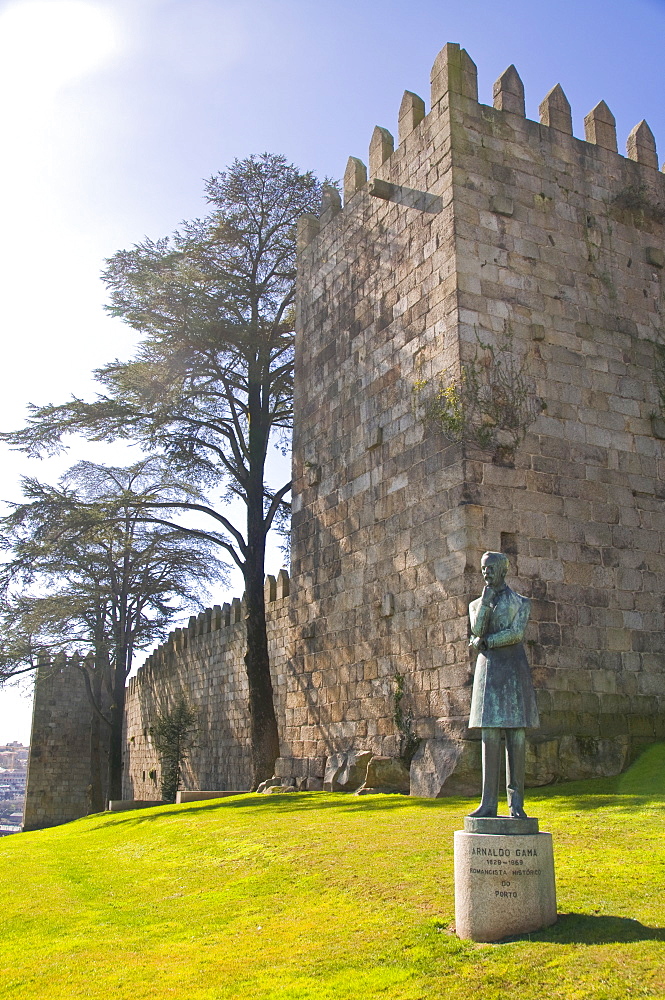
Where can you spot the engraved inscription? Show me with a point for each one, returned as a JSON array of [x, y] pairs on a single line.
[[500, 863]]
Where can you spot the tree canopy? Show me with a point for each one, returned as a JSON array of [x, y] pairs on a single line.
[[211, 384], [89, 572]]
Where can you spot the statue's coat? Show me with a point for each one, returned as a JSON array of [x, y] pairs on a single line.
[[503, 695]]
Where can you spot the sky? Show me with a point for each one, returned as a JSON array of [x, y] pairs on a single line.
[[113, 113]]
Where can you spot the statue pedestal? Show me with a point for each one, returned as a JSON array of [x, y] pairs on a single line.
[[504, 878]]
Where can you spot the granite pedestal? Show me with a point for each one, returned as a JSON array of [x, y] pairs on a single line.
[[504, 878]]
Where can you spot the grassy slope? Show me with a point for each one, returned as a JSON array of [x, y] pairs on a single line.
[[313, 897]]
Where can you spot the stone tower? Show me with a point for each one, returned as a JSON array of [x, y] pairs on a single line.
[[483, 246], [58, 787], [479, 365]]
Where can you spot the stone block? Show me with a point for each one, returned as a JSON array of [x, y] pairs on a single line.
[[355, 177], [382, 189], [592, 757], [307, 230], [655, 256], [502, 205], [641, 145], [504, 885], [385, 775], [268, 784], [283, 584], [335, 764], [203, 796], [600, 127], [374, 436], [433, 763], [123, 805], [508, 92], [316, 767], [555, 110], [658, 427], [411, 113], [453, 71], [381, 147], [331, 204], [284, 767], [354, 772], [542, 762]]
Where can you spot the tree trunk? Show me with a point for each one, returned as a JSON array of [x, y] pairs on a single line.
[[115, 744], [94, 675], [97, 782], [263, 722], [264, 734]]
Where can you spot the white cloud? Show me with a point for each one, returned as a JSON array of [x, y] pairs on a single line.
[[47, 44]]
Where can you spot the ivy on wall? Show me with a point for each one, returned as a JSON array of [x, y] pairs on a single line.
[[173, 737], [490, 402]]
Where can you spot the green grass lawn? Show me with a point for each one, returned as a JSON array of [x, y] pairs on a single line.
[[314, 896]]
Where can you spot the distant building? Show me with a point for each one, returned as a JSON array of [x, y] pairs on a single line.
[[7, 828], [13, 773]]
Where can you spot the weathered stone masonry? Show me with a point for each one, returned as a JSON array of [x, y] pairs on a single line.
[[480, 227], [205, 663], [58, 783]]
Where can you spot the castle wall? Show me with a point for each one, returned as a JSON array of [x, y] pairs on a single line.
[[205, 663], [379, 524], [481, 227], [484, 243], [559, 246], [58, 780]]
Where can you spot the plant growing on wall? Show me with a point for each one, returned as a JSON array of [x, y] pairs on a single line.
[[637, 205], [491, 401], [408, 741], [172, 736], [658, 418], [211, 384], [659, 375]]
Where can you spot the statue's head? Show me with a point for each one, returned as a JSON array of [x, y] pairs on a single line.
[[494, 566]]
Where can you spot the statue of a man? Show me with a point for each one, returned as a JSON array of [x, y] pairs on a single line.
[[503, 695]]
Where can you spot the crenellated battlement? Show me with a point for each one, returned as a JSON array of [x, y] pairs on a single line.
[[61, 663], [454, 75], [205, 663], [219, 618], [59, 770], [485, 258], [485, 250]]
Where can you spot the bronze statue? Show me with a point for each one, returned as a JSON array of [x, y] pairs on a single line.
[[503, 695]]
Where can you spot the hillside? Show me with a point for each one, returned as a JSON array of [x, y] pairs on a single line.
[[313, 897]]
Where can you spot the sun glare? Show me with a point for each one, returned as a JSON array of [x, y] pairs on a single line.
[[47, 44]]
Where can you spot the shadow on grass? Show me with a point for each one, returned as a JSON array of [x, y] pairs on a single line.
[[585, 928], [643, 784], [565, 801], [645, 778], [292, 802]]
